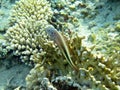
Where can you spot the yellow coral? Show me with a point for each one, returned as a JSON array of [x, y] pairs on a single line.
[[94, 69]]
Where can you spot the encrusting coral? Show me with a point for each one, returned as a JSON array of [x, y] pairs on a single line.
[[28, 20]]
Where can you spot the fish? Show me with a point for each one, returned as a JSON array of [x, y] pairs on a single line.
[[58, 38]]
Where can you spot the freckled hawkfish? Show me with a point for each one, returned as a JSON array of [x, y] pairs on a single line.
[[61, 43]]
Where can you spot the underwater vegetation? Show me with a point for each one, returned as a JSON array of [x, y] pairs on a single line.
[[40, 35]]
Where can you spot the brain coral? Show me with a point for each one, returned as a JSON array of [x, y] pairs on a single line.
[[28, 20]]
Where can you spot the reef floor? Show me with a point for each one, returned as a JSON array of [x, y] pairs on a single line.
[[13, 75]]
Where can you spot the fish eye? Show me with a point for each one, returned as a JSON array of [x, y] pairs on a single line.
[[52, 32]]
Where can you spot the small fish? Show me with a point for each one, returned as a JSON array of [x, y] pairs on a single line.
[[59, 40]]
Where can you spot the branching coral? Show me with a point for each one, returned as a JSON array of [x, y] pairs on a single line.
[[95, 71], [108, 44], [28, 20], [31, 9], [38, 80], [69, 14], [28, 39], [23, 38]]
